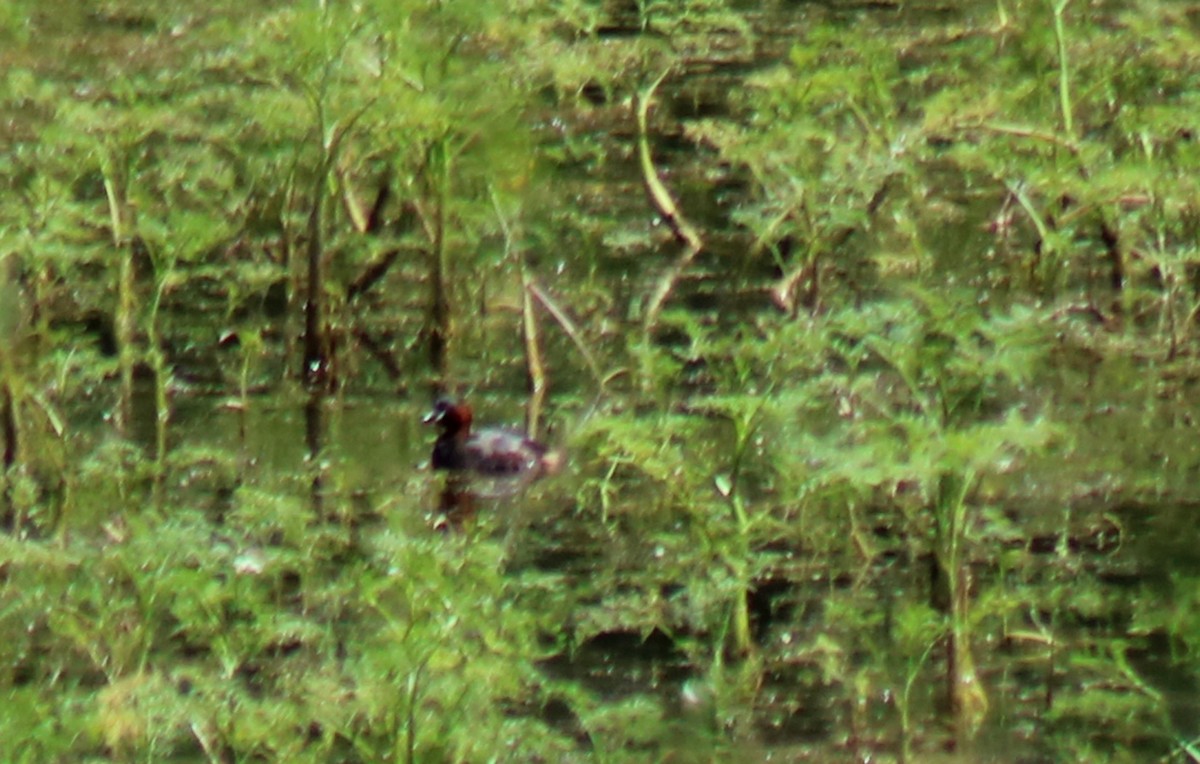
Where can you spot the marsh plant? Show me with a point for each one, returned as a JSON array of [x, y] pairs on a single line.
[[869, 331]]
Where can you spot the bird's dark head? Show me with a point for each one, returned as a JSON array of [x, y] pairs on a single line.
[[450, 417]]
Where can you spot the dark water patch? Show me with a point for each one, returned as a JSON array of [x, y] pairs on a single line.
[[618, 664]]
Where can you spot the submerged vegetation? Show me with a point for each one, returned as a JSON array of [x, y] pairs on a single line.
[[870, 331]]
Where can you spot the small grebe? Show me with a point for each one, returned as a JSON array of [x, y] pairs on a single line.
[[489, 452]]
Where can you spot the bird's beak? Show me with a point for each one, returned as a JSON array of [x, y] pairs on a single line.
[[431, 417]]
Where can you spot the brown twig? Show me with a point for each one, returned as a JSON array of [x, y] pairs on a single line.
[[534, 365], [362, 219], [350, 200], [437, 171], [1032, 133], [568, 326], [316, 369], [8, 425], [665, 204], [382, 195]]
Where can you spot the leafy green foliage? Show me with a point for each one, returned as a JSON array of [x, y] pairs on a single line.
[[798, 525], [414, 643]]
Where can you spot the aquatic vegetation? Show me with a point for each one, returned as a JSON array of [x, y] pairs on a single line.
[[869, 330]]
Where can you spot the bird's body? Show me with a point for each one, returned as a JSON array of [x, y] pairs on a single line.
[[490, 452]]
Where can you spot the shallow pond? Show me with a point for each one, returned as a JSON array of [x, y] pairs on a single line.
[[871, 348]]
